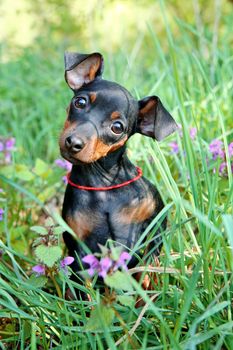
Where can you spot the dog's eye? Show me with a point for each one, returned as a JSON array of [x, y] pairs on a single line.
[[80, 102], [117, 128]]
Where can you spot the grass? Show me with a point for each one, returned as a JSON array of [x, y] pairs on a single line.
[[191, 305]]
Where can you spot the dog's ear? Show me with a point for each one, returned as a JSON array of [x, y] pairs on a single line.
[[154, 120], [81, 69]]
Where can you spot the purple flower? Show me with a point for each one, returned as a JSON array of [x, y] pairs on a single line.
[[174, 147], [10, 143], [91, 260], [215, 148], [121, 262], [222, 168], [60, 163], [193, 133], [68, 260], [7, 157], [68, 165], [1, 214], [7, 146], [64, 164], [104, 266], [39, 270], [64, 179], [215, 145], [230, 149]]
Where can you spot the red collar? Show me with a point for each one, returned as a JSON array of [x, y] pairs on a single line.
[[139, 170]]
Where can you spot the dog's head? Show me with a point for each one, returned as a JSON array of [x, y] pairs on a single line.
[[102, 115]]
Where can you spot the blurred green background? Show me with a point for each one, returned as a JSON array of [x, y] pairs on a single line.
[[140, 41], [102, 24]]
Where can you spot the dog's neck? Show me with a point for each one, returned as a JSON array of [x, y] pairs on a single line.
[[113, 169]]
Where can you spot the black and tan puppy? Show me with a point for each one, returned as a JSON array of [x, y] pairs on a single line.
[[106, 197]]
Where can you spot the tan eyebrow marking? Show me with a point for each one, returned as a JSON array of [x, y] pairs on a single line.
[[92, 97], [115, 115]]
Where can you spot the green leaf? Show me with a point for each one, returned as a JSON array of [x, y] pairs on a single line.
[[8, 170], [39, 229], [49, 222], [100, 317], [104, 250], [42, 169], [48, 255], [38, 282], [58, 230], [47, 193], [23, 173], [27, 329], [18, 232], [119, 280], [116, 252], [37, 241], [84, 274], [126, 300], [20, 246], [228, 223], [107, 315]]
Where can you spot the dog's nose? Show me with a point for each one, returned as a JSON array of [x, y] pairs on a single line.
[[74, 143]]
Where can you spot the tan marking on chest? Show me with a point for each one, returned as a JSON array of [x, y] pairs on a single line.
[[82, 224], [138, 212]]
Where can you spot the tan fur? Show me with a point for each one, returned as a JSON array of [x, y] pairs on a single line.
[[68, 128], [82, 224], [147, 107], [138, 212], [115, 115], [67, 124], [94, 68], [101, 149], [94, 149], [92, 97]]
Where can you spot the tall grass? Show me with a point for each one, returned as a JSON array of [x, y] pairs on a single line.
[[193, 304]]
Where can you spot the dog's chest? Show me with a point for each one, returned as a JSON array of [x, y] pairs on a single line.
[[108, 213]]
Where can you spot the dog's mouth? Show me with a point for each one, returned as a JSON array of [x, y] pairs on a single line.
[[72, 159], [93, 150], [88, 154]]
